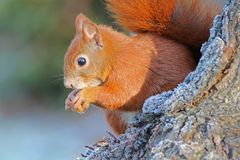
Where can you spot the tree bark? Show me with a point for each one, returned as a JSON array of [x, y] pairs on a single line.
[[200, 119]]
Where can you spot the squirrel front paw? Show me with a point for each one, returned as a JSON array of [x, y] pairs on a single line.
[[76, 101]]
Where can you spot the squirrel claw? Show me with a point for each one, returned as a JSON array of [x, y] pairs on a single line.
[[81, 106], [71, 99], [75, 102]]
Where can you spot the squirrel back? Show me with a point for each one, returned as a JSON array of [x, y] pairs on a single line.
[[187, 21]]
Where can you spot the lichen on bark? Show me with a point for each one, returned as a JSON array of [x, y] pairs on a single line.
[[200, 119]]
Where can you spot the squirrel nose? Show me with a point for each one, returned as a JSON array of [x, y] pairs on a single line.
[[68, 84]]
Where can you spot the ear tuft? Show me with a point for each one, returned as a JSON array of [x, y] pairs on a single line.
[[79, 22], [88, 29]]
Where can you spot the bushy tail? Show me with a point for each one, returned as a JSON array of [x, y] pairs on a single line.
[[187, 21], [142, 15]]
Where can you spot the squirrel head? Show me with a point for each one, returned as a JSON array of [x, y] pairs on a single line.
[[85, 61]]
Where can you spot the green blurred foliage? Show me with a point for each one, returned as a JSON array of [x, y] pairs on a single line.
[[34, 38]]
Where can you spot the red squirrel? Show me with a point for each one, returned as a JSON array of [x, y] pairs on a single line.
[[119, 72]]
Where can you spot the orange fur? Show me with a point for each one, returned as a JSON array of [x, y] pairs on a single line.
[[123, 71], [140, 67], [116, 121], [137, 68], [187, 21]]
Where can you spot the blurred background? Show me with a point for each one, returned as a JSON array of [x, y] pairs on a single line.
[[34, 36]]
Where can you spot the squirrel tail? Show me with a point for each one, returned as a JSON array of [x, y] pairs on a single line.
[[142, 15], [187, 21]]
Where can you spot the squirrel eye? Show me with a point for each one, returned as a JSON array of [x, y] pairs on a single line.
[[82, 61]]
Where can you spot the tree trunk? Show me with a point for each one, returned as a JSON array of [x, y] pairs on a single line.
[[200, 119]]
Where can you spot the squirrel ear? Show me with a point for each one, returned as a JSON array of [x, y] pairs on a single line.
[[79, 23], [91, 33], [88, 30]]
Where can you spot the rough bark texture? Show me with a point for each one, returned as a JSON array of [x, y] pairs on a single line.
[[200, 119]]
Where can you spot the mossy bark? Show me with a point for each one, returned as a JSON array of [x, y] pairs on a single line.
[[200, 119]]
